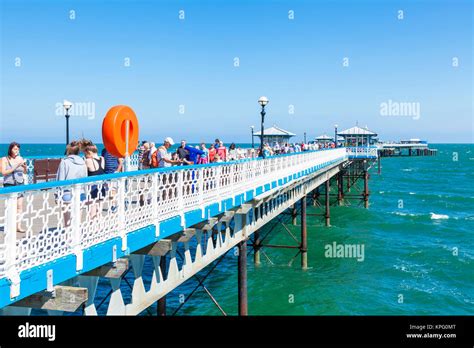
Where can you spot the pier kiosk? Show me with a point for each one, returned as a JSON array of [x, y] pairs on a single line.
[[274, 135], [357, 136]]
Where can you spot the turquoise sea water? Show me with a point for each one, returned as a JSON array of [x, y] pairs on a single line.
[[417, 237], [408, 251]]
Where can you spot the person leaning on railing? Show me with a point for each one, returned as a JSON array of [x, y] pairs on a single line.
[[13, 167]]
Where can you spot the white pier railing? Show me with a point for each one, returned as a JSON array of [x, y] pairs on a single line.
[[64, 218], [369, 152]]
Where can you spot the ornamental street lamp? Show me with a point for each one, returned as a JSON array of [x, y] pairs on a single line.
[[263, 101], [253, 144], [67, 105], [335, 135]]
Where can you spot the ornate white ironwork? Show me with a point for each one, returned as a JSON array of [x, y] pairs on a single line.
[[362, 152], [64, 220], [205, 247]]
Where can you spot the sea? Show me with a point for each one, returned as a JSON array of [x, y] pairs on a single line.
[[417, 238]]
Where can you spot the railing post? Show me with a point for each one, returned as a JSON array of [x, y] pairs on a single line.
[[181, 196], [121, 212], [201, 192], [255, 163], [154, 202], [218, 172], [232, 186], [10, 243], [76, 225]]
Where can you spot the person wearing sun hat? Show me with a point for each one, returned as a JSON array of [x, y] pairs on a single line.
[[164, 157]]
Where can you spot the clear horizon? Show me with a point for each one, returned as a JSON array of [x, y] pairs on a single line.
[[195, 70]]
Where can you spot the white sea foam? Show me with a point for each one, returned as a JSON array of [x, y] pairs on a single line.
[[411, 193], [438, 216], [403, 214], [407, 170]]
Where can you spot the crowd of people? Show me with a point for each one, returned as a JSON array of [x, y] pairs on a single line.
[[149, 156]]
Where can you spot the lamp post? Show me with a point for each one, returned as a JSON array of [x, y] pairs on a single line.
[[335, 135], [263, 101], [253, 144], [67, 105], [305, 137]]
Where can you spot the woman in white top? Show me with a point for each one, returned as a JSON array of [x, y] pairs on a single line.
[[13, 166]]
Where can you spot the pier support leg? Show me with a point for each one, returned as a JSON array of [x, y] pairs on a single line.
[[161, 306], [242, 278], [256, 248], [304, 244], [378, 165], [340, 188], [366, 188], [316, 197], [348, 180], [327, 213], [294, 215]]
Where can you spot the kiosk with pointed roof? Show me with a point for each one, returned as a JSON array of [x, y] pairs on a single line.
[[275, 135], [357, 136]]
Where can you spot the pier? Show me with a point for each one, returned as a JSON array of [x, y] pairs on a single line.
[[406, 148], [184, 218]]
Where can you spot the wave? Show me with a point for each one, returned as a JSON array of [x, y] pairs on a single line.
[[416, 270], [438, 216], [405, 214], [431, 216], [407, 170]]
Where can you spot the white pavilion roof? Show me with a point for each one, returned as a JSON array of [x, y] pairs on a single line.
[[324, 137], [356, 130], [272, 131]]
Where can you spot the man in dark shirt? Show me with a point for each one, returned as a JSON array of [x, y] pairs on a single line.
[[183, 154]]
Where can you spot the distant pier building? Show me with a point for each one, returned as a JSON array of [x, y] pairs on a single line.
[[274, 135], [357, 136]]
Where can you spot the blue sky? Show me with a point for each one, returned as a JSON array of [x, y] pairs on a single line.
[[190, 62]]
